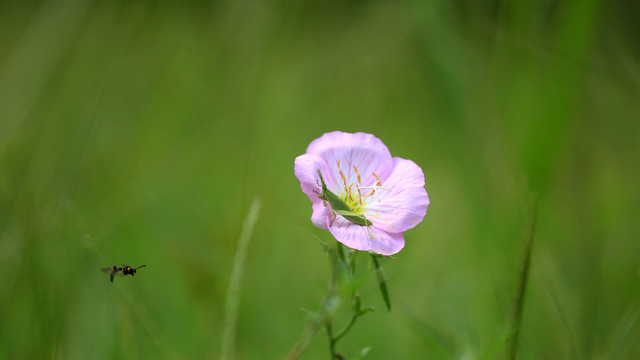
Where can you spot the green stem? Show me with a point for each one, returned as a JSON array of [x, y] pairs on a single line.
[[332, 344], [340, 262], [346, 329]]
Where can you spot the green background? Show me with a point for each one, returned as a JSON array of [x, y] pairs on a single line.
[[138, 132]]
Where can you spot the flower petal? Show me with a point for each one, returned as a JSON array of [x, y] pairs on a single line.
[[306, 169], [365, 151], [405, 205], [357, 237], [320, 215]]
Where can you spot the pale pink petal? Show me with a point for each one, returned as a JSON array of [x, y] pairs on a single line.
[[320, 215], [306, 169], [405, 205], [365, 151], [358, 237]]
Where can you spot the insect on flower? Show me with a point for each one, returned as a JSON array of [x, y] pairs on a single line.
[[121, 270], [340, 207], [361, 194]]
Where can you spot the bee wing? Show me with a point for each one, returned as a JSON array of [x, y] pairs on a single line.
[[113, 274], [106, 270]]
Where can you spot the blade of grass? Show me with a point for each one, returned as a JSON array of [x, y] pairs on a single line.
[[516, 309], [231, 307], [430, 336], [575, 349]]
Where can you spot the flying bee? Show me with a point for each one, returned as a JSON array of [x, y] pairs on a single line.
[[121, 270]]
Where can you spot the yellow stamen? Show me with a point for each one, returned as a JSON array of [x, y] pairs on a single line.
[[357, 173], [344, 180], [378, 183]]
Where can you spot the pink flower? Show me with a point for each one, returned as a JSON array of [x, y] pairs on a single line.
[[358, 168]]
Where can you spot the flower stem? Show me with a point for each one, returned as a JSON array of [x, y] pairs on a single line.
[[342, 272], [332, 344], [346, 329]]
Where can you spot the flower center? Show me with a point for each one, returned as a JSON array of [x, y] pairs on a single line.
[[357, 196]]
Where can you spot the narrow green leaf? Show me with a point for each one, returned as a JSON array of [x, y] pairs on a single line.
[[331, 254], [352, 262], [340, 251], [344, 269], [382, 282]]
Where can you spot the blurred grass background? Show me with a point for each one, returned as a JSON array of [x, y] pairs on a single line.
[[137, 132]]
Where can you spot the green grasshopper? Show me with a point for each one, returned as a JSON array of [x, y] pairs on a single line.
[[340, 207]]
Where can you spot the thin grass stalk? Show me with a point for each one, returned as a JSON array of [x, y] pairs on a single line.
[[233, 293]]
